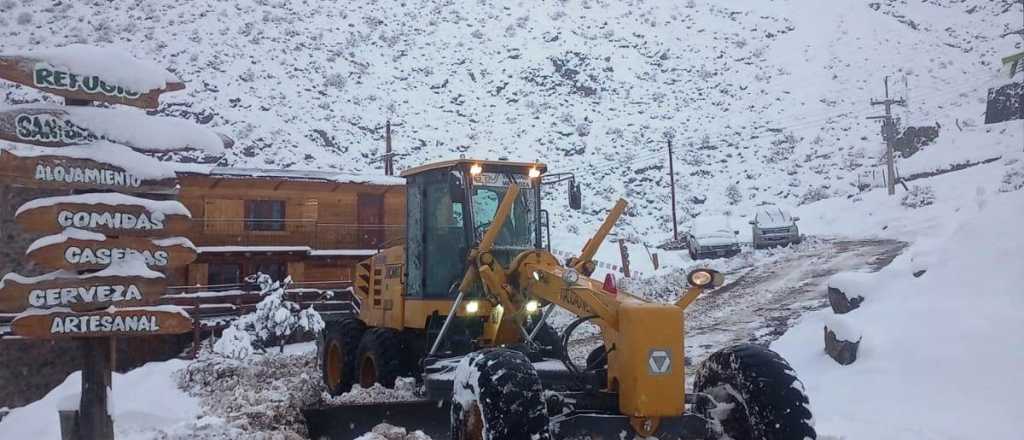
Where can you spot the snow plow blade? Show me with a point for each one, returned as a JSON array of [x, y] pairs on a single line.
[[346, 422]]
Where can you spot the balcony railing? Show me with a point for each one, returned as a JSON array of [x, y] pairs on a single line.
[[316, 234]]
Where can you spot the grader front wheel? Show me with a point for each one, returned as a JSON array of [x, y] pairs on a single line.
[[498, 395], [756, 395]]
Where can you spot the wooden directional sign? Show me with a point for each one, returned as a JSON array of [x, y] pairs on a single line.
[[72, 173], [47, 127], [106, 218], [145, 321], [80, 294], [86, 254], [39, 74]]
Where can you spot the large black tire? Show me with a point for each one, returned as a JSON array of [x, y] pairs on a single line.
[[768, 401], [338, 355], [498, 396], [380, 358]]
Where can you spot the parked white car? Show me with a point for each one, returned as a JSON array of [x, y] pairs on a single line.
[[712, 237], [774, 227]]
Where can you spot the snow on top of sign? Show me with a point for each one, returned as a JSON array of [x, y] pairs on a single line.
[[68, 234], [215, 249], [112, 65], [175, 241], [143, 132], [21, 279], [138, 164], [133, 266], [130, 267], [165, 207], [112, 309], [328, 176]]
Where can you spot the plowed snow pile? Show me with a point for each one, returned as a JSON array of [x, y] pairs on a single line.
[[941, 354]]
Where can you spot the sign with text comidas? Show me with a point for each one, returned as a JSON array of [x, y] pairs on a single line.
[[123, 215], [143, 321]]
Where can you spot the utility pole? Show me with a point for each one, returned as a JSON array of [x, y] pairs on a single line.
[[389, 161], [672, 182], [888, 134]]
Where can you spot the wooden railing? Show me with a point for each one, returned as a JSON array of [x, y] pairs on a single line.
[[312, 233]]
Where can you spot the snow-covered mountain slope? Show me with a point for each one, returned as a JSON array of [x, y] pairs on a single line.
[[765, 99]]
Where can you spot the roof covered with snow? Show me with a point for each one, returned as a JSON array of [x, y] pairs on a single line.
[[315, 175]]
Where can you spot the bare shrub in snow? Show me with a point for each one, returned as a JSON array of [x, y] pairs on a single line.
[[336, 81], [234, 343], [732, 192], [1013, 180], [276, 319], [24, 18], [918, 196], [814, 194]]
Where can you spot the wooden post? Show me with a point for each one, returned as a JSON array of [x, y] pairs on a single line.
[[624, 253], [94, 422], [672, 183], [195, 331]]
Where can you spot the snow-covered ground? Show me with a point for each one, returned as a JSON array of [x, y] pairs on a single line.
[[145, 403]]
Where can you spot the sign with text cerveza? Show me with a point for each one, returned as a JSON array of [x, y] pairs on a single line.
[[71, 173], [62, 323], [79, 294], [39, 74], [106, 219], [88, 254]]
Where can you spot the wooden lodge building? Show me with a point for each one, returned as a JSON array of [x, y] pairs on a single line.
[[313, 226]]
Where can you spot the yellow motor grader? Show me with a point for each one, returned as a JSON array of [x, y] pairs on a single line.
[[462, 306]]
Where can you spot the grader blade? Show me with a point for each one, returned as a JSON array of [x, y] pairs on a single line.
[[346, 422]]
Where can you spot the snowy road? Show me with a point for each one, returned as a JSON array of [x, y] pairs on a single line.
[[764, 298], [765, 291]]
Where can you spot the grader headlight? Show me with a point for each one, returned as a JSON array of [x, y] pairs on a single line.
[[472, 307], [705, 278], [532, 306]]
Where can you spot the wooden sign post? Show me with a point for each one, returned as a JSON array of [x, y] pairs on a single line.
[[127, 239]]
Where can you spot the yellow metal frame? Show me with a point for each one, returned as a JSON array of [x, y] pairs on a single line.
[[637, 334]]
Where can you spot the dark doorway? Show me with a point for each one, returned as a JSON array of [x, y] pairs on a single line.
[[370, 217]]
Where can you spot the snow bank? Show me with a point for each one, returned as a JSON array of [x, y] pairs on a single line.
[[853, 283], [166, 207], [938, 350], [113, 65], [145, 401]]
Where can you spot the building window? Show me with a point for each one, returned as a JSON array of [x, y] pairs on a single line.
[[264, 215], [224, 274]]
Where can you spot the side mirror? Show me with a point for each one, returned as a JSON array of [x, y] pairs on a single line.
[[736, 232], [752, 222], [575, 196], [796, 219]]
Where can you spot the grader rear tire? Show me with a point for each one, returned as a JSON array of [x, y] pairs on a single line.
[[766, 398], [380, 358], [498, 396], [338, 357]]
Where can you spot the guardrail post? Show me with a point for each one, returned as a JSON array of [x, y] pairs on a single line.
[[196, 324]]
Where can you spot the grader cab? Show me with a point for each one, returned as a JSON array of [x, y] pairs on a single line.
[[462, 306]]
